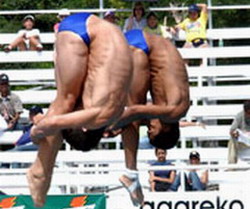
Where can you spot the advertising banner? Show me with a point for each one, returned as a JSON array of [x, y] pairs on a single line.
[[55, 202], [195, 200]]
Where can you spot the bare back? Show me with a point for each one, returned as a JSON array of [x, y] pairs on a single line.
[[109, 67], [169, 77]]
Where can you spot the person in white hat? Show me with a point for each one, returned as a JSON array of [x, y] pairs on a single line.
[[27, 38]]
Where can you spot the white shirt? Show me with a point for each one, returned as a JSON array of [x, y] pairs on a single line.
[[28, 33], [136, 24]]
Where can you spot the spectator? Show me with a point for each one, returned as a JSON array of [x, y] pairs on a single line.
[[195, 180], [27, 38], [240, 125], [195, 26], [161, 180], [24, 143], [153, 26], [61, 15], [110, 17], [10, 104], [136, 20]]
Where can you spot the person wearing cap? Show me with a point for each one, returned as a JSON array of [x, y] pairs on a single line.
[[195, 179], [61, 15], [195, 26], [10, 104], [137, 19], [27, 38], [24, 143], [110, 17]]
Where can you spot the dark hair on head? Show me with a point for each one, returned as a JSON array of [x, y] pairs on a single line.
[[246, 105], [139, 4], [157, 149], [83, 141], [152, 14], [167, 139]]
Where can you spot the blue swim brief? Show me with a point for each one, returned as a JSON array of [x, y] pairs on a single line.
[[135, 38], [77, 24]]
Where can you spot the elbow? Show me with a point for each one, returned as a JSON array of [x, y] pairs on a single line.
[[178, 111]]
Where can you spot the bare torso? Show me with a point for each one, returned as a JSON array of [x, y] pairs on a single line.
[[109, 68], [169, 79]]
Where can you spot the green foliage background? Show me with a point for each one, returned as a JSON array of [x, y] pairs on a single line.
[[11, 23]]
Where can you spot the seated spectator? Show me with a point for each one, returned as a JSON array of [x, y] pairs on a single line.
[[136, 20], [61, 15], [161, 180], [195, 180], [153, 25], [195, 27], [10, 104], [240, 126], [27, 38], [24, 143]]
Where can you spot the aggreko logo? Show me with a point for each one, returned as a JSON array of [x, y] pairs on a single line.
[[195, 204]]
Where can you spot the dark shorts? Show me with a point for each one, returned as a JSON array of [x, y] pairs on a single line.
[[198, 42], [76, 23], [162, 186]]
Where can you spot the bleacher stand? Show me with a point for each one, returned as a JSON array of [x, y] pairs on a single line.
[[230, 86]]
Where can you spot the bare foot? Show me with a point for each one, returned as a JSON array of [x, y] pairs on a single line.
[[134, 188], [38, 185]]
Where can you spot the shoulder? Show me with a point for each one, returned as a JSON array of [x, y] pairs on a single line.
[[184, 22], [35, 30], [240, 114], [14, 97]]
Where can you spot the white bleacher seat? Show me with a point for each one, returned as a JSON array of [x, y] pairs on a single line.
[[30, 76], [237, 92], [213, 34], [26, 56], [213, 111], [46, 38], [197, 53], [10, 137]]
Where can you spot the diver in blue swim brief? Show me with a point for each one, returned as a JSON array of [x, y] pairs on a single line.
[[77, 23], [136, 38], [94, 65]]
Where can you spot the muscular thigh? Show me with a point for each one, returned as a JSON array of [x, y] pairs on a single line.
[[109, 68], [70, 65]]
